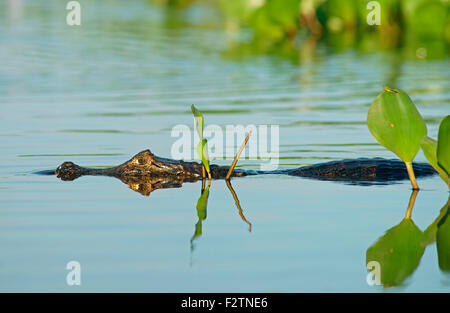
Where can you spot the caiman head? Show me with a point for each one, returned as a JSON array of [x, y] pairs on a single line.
[[143, 173], [144, 164]]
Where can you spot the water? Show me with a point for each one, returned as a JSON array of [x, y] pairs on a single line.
[[99, 93]]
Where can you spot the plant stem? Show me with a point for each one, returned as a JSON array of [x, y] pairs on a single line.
[[230, 171], [203, 173], [412, 200], [411, 175]]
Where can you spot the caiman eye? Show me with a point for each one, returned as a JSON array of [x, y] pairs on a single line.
[[140, 161]]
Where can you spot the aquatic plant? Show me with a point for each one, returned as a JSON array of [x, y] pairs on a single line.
[[401, 248], [439, 232], [396, 124], [202, 148], [443, 145], [398, 252], [443, 242], [202, 205], [438, 152]]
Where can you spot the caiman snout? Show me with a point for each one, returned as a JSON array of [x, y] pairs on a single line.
[[68, 171]]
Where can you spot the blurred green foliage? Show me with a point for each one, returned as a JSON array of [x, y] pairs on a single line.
[[421, 25]]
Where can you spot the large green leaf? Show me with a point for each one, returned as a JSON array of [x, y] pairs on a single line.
[[429, 148], [396, 124], [443, 145], [398, 252]]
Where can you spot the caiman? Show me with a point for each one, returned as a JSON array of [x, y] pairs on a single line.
[[146, 172]]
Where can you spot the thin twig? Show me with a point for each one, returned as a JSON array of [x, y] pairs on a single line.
[[230, 171], [238, 205]]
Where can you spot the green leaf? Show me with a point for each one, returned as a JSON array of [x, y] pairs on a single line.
[[396, 124], [202, 204], [429, 235], [201, 207], [429, 148], [398, 252], [199, 121], [202, 151], [202, 147], [443, 145], [443, 242]]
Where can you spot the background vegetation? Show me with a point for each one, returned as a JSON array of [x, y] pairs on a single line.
[[421, 27]]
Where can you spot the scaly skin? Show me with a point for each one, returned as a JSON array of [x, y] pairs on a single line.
[[146, 172], [145, 164]]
